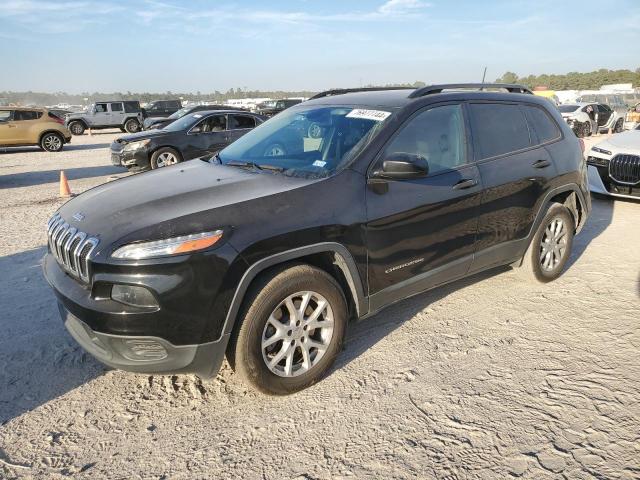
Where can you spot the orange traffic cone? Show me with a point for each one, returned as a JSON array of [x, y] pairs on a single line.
[[65, 191]]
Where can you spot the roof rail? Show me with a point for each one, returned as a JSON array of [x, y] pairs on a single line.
[[342, 91], [509, 87]]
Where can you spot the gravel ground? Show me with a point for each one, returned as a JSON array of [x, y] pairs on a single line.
[[490, 377]]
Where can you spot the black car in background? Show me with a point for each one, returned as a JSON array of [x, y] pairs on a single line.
[[161, 108], [161, 122], [192, 136], [272, 107], [265, 254]]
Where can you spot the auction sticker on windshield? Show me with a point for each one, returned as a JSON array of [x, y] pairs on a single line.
[[377, 115]]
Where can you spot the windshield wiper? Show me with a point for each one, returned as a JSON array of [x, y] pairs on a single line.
[[235, 163]]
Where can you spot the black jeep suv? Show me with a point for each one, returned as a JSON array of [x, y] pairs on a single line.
[[265, 251]]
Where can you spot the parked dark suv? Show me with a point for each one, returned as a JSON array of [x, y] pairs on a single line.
[[273, 107], [267, 250], [161, 108]]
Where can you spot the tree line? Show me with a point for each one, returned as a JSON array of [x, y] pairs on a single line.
[[568, 81], [575, 80]]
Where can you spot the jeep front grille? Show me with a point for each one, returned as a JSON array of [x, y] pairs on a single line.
[[625, 169], [70, 247]]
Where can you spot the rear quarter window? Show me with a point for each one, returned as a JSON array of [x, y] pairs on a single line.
[[498, 129], [544, 126], [131, 107]]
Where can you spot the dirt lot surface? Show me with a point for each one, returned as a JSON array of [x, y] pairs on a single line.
[[490, 377]]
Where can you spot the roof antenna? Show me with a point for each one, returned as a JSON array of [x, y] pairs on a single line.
[[484, 74]]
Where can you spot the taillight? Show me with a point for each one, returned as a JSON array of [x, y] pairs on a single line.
[[59, 120]]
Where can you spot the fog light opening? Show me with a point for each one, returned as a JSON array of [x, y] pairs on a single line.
[[133, 295], [145, 350]]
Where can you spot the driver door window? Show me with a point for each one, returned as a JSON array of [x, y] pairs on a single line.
[[5, 116], [437, 135]]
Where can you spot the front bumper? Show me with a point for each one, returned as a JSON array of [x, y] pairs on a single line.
[[597, 185], [145, 354], [136, 159], [150, 340]]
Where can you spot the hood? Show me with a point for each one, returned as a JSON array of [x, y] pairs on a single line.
[[626, 142], [192, 197], [143, 135]]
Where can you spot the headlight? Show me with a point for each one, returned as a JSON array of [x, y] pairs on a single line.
[[136, 145], [601, 150], [169, 246]]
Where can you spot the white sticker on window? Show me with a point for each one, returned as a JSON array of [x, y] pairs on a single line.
[[319, 163], [377, 115]]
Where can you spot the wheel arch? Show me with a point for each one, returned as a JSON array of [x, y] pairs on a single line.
[[172, 147], [331, 257], [51, 130], [79, 120]]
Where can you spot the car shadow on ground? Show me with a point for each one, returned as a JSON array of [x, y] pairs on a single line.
[[599, 220], [28, 179], [39, 360], [67, 147]]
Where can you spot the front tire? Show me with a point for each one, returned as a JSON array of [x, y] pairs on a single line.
[[164, 157], [619, 126], [550, 247], [132, 125], [77, 128], [291, 331], [51, 142]]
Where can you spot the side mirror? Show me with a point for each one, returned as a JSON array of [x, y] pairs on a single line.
[[403, 166]]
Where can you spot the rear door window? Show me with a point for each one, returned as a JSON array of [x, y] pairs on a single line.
[[5, 116], [241, 121], [544, 126], [131, 107], [116, 107], [498, 129], [26, 115]]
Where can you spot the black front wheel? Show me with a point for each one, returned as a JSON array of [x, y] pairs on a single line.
[[619, 126], [291, 329]]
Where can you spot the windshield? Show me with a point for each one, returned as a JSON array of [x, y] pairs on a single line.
[[183, 123], [179, 114], [309, 142], [568, 108]]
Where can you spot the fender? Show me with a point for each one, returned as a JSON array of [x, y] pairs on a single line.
[[344, 261], [52, 131]]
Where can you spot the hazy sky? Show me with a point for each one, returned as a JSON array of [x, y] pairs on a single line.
[[148, 45]]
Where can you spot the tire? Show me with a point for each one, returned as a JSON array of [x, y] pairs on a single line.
[[619, 126], [132, 125], [51, 142], [586, 129], [546, 268], [77, 127], [164, 157], [265, 315], [275, 150]]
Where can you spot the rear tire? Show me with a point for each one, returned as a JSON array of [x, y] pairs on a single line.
[[550, 247], [586, 129], [281, 346], [52, 142], [77, 128], [132, 125]]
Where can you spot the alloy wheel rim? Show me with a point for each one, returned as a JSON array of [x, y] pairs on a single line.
[[165, 159], [52, 142], [297, 334], [553, 245], [77, 129]]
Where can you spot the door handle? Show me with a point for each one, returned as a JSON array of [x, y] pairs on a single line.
[[464, 184], [542, 164]]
